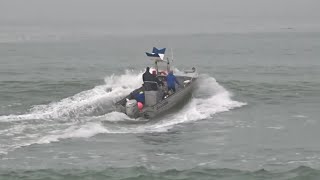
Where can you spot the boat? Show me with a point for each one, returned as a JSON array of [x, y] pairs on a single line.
[[157, 100]]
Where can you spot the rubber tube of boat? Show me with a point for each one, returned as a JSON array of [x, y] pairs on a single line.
[[132, 108]]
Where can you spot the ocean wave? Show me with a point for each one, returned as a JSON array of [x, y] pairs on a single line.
[[199, 173]]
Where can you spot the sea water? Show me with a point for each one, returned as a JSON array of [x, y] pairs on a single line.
[[253, 115]]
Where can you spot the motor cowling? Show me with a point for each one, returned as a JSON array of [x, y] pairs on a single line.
[[132, 108]]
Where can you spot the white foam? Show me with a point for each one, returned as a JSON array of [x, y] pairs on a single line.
[[300, 116], [84, 103], [208, 99], [48, 122], [82, 131], [276, 127], [114, 117], [212, 98]]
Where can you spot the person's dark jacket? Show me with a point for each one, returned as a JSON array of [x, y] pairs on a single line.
[[147, 76]]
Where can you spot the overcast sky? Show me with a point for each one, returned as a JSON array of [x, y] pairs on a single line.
[[163, 15]]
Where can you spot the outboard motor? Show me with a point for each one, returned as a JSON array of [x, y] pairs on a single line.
[[132, 108]]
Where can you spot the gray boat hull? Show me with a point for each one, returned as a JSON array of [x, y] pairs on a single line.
[[182, 92]]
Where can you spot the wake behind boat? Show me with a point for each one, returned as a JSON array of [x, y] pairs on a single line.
[[155, 97]]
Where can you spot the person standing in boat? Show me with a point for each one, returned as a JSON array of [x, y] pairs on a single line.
[[147, 76], [154, 73], [171, 81]]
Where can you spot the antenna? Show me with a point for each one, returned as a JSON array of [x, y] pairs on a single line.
[[171, 55]]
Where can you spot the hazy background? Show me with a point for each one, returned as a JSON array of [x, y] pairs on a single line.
[[58, 19]]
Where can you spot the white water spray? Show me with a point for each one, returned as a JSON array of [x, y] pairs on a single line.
[[77, 117]]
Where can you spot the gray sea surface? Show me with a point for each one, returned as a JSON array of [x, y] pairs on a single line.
[[254, 114]]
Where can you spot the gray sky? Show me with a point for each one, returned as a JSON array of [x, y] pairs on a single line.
[[163, 16]]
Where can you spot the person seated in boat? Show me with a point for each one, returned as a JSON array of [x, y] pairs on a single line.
[[147, 76], [139, 97], [171, 82]]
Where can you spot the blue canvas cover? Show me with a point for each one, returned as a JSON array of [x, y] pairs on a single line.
[[157, 54]]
